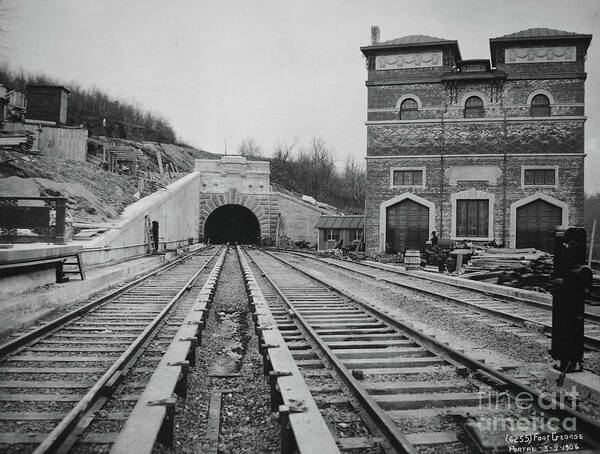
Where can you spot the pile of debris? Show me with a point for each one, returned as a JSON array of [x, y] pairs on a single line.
[[528, 269], [21, 141]]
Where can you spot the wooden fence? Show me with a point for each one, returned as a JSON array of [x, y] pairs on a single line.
[[59, 142]]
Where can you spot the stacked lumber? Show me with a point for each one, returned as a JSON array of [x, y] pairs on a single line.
[[21, 141], [505, 259], [529, 269]]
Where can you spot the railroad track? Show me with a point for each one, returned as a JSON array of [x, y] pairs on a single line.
[[71, 384], [523, 312], [423, 395]]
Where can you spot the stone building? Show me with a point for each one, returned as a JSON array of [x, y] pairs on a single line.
[[476, 150]]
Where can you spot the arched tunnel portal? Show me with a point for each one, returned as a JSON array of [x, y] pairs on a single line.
[[233, 223]]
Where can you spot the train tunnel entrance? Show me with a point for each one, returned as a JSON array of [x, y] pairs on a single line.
[[233, 223]]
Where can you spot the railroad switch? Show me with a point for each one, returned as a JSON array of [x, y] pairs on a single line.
[[571, 283]]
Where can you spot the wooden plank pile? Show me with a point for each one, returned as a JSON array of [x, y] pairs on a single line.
[[522, 268], [118, 155], [21, 141]]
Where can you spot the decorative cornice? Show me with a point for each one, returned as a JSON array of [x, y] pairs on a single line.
[[438, 78], [476, 155], [420, 80], [516, 55], [511, 106], [475, 120], [537, 76], [409, 61]]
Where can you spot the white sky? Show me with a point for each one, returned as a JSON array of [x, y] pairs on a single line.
[[227, 69]]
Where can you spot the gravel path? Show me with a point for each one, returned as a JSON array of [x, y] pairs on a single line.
[[229, 347]]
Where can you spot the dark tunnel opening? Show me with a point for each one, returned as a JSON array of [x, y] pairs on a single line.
[[233, 223]]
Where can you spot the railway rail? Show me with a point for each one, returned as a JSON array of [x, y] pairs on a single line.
[[423, 395], [72, 383], [345, 376], [521, 311]]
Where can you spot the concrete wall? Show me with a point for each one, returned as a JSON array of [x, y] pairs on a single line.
[[177, 211], [27, 280], [298, 218], [182, 209]]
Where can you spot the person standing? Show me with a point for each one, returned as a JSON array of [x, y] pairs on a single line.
[[434, 238]]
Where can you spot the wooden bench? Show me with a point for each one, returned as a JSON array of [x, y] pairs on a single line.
[[51, 255]]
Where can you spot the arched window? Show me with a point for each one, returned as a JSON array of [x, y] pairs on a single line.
[[540, 106], [408, 109], [474, 107]]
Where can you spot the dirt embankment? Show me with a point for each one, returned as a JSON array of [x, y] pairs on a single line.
[[94, 195]]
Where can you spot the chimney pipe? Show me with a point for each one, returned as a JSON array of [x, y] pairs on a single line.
[[374, 35]]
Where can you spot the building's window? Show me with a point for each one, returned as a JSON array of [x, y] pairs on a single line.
[[539, 177], [333, 234], [474, 107], [472, 217], [408, 178], [540, 106], [408, 109], [357, 235]]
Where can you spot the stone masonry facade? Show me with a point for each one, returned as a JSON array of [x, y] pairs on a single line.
[[233, 180], [508, 132]]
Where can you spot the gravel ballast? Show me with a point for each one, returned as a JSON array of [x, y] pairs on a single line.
[[229, 348]]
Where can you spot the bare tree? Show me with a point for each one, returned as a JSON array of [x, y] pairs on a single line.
[[249, 148], [283, 151], [355, 181], [311, 170], [322, 167]]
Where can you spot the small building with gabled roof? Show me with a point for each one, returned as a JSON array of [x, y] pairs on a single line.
[[332, 229]]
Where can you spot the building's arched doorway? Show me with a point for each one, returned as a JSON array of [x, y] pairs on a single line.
[[536, 223], [407, 225], [233, 223]]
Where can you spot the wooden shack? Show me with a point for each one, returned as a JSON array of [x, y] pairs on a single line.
[[332, 229], [47, 103]]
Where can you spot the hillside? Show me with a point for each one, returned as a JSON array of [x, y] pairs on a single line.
[[181, 156], [94, 195], [99, 112]]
